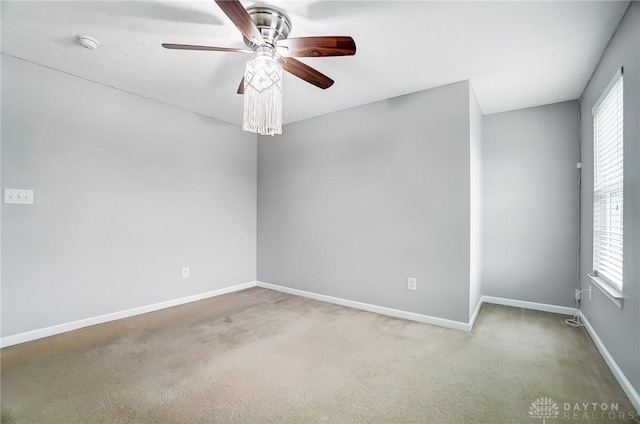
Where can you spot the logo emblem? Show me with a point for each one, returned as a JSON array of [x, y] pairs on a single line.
[[544, 408]]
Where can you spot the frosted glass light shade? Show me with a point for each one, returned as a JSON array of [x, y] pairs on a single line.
[[263, 96]]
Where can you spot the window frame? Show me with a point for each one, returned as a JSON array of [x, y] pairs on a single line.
[[600, 192]]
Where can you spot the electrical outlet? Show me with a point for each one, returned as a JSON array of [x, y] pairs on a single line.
[[578, 293], [185, 272], [411, 283]]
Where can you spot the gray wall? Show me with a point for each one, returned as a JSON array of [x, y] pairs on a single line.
[[530, 204], [476, 209], [352, 203], [619, 329], [127, 192]]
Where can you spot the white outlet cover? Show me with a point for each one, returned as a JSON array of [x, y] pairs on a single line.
[[185, 272], [18, 196], [411, 283]]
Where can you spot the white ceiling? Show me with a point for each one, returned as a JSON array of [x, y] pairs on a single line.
[[516, 54]]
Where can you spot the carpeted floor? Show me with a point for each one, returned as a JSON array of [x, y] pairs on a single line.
[[260, 356]]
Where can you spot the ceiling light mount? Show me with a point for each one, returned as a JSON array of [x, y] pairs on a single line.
[[273, 24]]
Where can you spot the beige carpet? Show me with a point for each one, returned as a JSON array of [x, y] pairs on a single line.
[[260, 356]]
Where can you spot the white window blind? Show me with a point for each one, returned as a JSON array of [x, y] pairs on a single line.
[[608, 184]]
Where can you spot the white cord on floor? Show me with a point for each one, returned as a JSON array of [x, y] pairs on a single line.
[[575, 321]]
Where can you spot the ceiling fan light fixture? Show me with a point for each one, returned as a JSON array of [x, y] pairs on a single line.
[[265, 30], [263, 96]]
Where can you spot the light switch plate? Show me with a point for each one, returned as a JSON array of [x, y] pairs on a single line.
[[18, 196]]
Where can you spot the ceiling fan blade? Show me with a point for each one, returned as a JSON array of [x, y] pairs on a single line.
[[241, 87], [317, 46], [208, 48], [239, 16], [307, 73]]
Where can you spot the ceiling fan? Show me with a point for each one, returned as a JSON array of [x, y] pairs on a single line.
[[265, 30]]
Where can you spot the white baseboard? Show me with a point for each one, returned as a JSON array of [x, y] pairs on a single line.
[[631, 393], [442, 322], [412, 316], [474, 316], [74, 325], [564, 310]]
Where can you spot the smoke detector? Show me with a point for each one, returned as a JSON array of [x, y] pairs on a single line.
[[87, 42]]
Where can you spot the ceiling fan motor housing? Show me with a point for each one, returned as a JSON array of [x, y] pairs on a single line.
[[272, 23]]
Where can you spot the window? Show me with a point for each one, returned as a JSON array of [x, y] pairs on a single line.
[[608, 184]]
